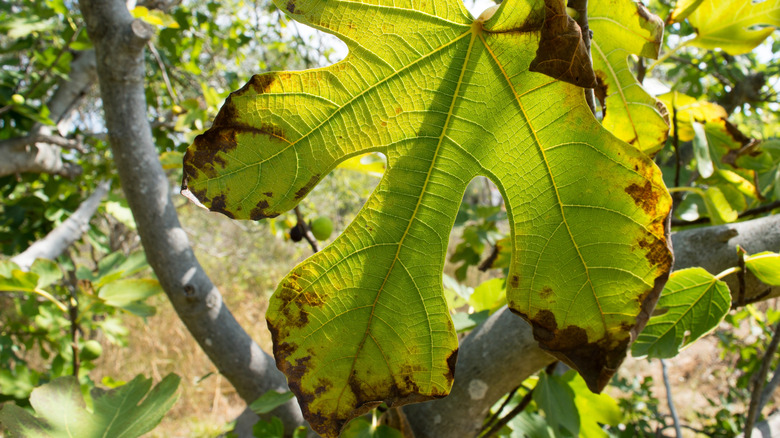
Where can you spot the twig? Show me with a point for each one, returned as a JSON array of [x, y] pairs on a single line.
[[769, 389], [509, 416], [676, 143], [57, 140], [581, 6], [755, 396], [163, 71], [305, 230], [741, 275], [670, 401], [495, 415], [73, 316]]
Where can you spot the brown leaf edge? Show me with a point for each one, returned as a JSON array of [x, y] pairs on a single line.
[[597, 362]]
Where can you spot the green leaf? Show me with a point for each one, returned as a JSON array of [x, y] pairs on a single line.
[[529, 425], [490, 295], [272, 428], [701, 150], [125, 412], [466, 321], [594, 410], [556, 399], [620, 29], [48, 272], [692, 304], [362, 428], [121, 293], [270, 401], [736, 26], [719, 209], [445, 98], [765, 266]]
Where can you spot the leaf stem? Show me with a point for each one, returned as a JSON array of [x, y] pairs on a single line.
[[666, 56], [729, 271], [51, 298]]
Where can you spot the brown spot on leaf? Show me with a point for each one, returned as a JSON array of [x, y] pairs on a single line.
[[514, 282], [307, 187], [452, 361], [546, 292], [562, 53], [663, 258], [260, 211], [261, 83], [291, 7], [644, 196], [218, 204]]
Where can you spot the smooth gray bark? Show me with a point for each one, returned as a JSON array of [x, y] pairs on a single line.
[[119, 44], [60, 238]]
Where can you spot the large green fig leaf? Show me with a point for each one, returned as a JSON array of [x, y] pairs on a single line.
[[125, 412], [736, 26], [621, 28], [445, 98]]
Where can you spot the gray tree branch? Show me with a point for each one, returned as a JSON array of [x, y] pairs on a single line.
[[62, 237], [119, 43], [41, 156]]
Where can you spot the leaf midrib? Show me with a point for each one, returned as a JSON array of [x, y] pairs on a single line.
[[432, 166], [557, 194]]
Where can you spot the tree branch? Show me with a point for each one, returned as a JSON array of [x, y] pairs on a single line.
[[62, 237], [119, 43], [45, 157]]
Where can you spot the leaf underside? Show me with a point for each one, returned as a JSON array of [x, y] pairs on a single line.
[[445, 98]]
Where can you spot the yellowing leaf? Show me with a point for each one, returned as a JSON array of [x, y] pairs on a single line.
[[682, 9], [765, 266], [622, 28], [154, 17], [445, 98], [736, 26], [689, 109]]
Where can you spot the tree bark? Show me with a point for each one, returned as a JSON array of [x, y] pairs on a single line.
[[62, 237], [119, 44]]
